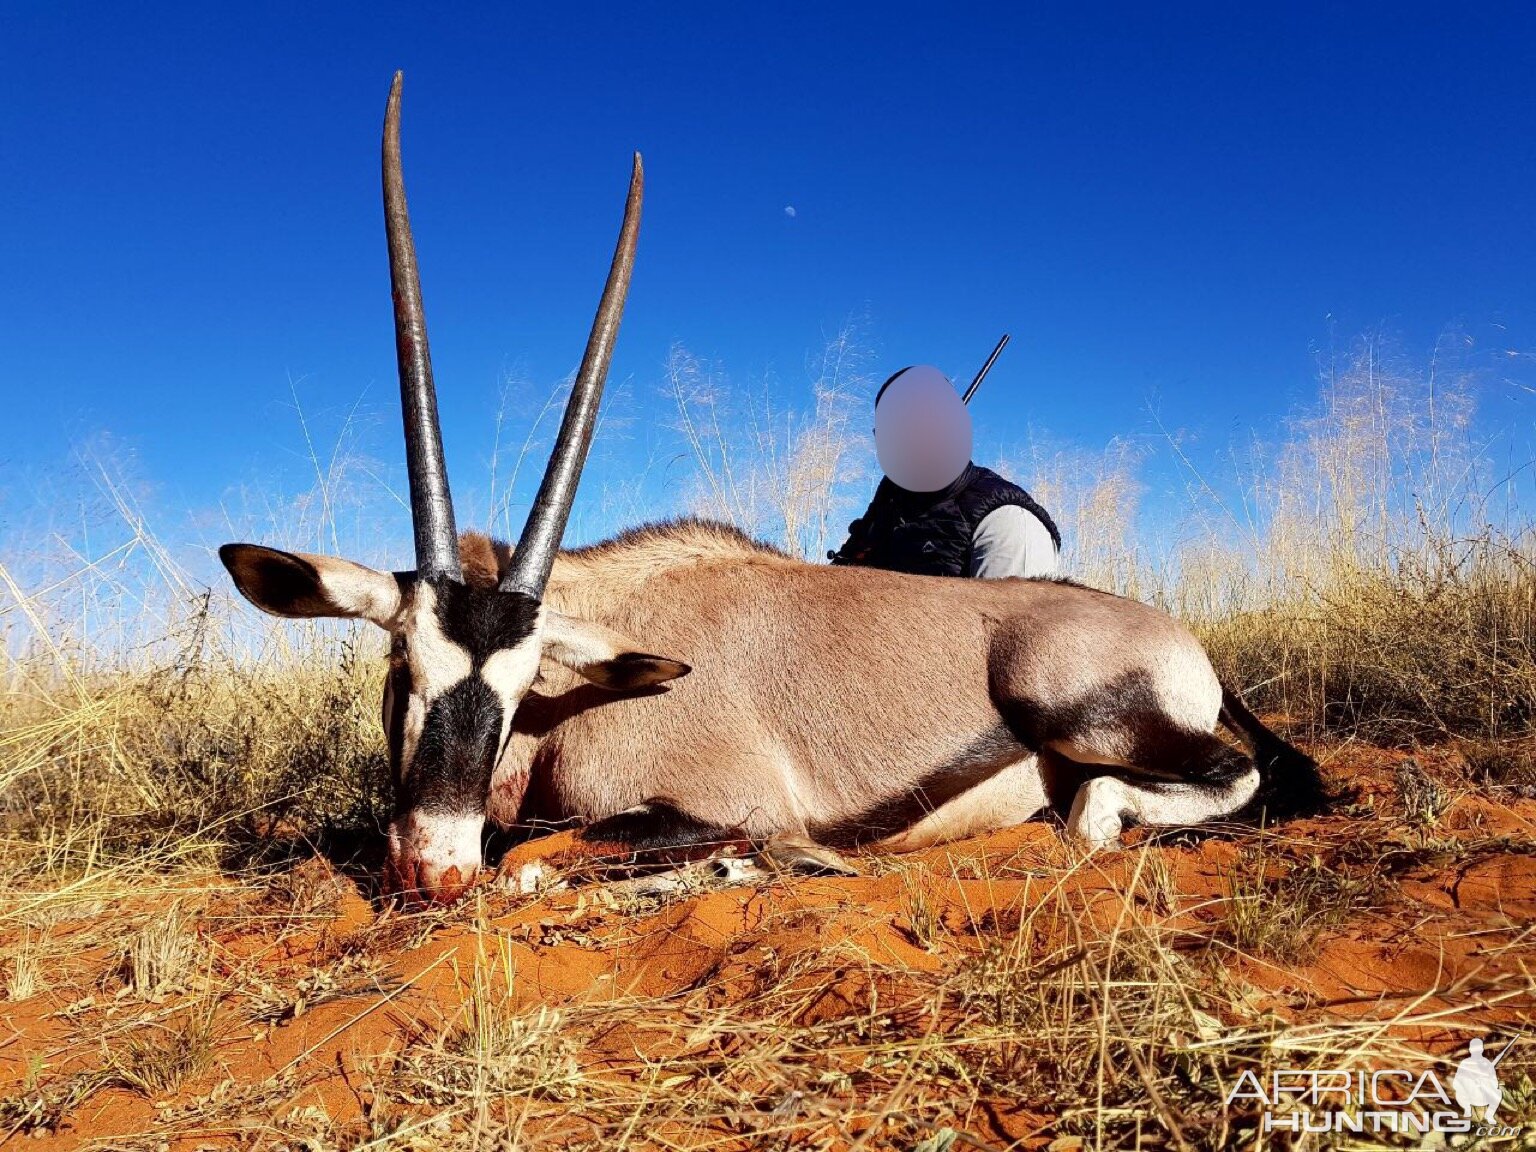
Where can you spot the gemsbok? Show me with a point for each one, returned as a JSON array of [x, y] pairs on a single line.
[[828, 706]]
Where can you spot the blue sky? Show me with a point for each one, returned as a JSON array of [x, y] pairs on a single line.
[[1171, 211]]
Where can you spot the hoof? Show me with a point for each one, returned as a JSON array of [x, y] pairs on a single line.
[[794, 856], [530, 878]]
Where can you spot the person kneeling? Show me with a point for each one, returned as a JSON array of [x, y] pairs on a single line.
[[936, 512]]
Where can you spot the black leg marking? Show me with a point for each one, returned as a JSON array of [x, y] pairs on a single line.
[[658, 834], [1196, 758], [1122, 703]]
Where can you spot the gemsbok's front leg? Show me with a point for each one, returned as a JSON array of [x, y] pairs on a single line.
[[509, 787], [658, 841]]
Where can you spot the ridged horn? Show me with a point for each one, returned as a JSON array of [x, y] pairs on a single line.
[[540, 541], [437, 541]]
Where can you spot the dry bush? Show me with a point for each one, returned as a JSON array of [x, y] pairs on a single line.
[[1509, 764], [146, 718], [794, 477], [1386, 586], [209, 750], [41, 1105], [1390, 657]]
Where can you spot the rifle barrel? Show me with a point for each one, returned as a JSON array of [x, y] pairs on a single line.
[[985, 368], [1504, 1051]]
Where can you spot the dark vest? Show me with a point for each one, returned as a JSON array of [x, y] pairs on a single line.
[[930, 533]]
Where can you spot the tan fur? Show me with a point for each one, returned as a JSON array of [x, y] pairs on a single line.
[[1012, 796], [629, 556], [484, 559], [819, 693]]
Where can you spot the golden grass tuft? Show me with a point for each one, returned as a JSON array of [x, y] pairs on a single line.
[[23, 968], [159, 1058], [163, 957]]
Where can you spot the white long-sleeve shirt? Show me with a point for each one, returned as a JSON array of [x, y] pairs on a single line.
[[1011, 541]]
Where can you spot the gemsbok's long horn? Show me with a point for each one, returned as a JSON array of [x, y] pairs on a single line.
[[437, 541], [536, 549]]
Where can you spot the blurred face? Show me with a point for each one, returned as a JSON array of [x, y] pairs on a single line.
[[922, 431]]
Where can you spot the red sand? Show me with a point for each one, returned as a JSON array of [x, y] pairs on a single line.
[[1450, 918]]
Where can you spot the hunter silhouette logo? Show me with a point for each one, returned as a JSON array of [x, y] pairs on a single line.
[[1476, 1082], [1384, 1100]]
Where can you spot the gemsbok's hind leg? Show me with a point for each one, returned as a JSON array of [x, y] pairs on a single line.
[[1198, 777], [1012, 795]]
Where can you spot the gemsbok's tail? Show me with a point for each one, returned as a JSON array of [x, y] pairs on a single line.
[[1290, 784]]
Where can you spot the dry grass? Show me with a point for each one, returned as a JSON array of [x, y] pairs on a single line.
[[158, 1059], [23, 968], [163, 957], [489, 1050], [1283, 910], [788, 476], [1022, 993], [923, 919], [162, 766]]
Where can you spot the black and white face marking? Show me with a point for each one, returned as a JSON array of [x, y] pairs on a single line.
[[461, 659]]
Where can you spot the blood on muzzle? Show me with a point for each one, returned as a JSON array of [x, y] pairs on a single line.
[[434, 840]]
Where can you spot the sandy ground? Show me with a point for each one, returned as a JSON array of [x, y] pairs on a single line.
[[290, 1011]]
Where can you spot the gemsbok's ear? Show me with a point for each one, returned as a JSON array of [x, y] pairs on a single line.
[[296, 584], [607, 658]]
